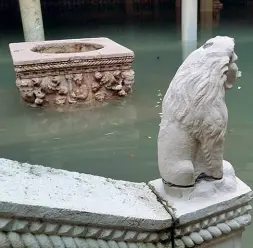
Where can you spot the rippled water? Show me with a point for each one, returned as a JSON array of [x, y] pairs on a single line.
[[119, 140]]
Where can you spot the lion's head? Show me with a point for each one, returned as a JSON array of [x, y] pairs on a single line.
[[196, 93]]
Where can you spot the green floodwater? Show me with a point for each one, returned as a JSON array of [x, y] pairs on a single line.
[[119, 140]]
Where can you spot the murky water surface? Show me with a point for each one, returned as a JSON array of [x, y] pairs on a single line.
[[119, 140]]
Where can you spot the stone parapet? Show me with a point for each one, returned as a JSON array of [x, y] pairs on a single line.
[[45, 207], [209, 212]]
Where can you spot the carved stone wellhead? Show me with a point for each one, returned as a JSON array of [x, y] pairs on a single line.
[[68, 72]]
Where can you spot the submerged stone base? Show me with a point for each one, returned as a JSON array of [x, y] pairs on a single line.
[[67, 72]]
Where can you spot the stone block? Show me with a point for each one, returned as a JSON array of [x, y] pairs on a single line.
[[73, 71], [209, 212]]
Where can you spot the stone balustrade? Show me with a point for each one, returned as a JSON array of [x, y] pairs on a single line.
[[45, 207]]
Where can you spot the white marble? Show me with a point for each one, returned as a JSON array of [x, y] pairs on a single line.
[[45, 207], [22, 52], [212, 213], [206, 198], [232, 241], [41, 192], [32, 20], [208, 203], [194, 114]]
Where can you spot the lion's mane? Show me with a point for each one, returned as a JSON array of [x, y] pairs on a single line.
[[195, 98]]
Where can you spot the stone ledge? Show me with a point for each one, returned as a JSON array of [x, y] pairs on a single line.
[[37, 192], [22, 53]]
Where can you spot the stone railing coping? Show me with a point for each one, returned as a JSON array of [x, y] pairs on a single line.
[[37, 192]]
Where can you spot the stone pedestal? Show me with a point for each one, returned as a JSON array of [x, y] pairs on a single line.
[[68, 72], [32, 20], [211, 214]]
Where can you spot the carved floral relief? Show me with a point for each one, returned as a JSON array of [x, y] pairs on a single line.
[[76, 88]]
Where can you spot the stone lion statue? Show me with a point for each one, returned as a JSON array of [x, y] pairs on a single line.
[[194, 121]]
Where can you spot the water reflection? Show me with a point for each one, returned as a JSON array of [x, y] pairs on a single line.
[[100, 119], [38, 125], [71, 140]]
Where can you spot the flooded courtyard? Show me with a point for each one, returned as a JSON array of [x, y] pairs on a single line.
[[119, 140]]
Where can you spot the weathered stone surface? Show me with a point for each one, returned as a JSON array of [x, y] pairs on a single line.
[[195, 116], [22, 53], [33, 191], [208, 203], [68, 72], [210, 211], [206, 198]]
